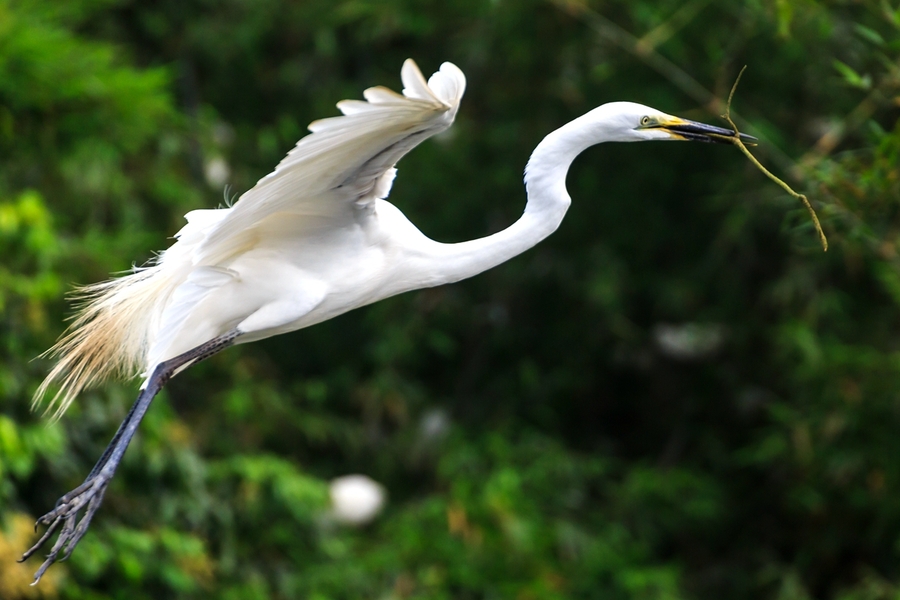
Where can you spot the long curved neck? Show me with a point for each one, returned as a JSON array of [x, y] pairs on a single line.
[[548, 200]]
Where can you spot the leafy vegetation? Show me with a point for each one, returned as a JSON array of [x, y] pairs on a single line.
[[678, 395]]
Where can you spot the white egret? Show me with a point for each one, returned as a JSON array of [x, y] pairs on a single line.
[[313, 239]]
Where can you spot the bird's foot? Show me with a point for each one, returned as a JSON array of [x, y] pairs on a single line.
[[87, 497]]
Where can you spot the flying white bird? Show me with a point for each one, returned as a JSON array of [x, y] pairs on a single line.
[[313, 239]]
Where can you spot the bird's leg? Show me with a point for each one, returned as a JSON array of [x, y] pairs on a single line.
[[89, 494]]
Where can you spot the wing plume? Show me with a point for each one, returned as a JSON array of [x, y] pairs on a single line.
[[351, 151]]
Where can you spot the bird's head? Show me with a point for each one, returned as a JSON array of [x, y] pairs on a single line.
[[631, 122]]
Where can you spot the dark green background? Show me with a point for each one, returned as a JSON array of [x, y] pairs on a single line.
[[580, 458]]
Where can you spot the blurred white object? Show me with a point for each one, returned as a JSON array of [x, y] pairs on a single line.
[[434, 426], [217, 172], [223, 134], [689, 341], [356, 499]]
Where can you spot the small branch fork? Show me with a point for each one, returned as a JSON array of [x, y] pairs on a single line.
[[88, 496], [734, 139]]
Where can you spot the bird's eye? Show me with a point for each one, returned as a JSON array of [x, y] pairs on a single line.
[[645, 121]]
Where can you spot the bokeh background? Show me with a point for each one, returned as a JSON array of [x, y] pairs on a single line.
[[677, 395]]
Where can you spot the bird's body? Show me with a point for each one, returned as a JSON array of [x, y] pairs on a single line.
[[311, 240], [314, 239]]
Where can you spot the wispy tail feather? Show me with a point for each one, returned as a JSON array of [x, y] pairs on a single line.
[[109, 336]]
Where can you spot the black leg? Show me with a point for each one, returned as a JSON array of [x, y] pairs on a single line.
[[89, 494]]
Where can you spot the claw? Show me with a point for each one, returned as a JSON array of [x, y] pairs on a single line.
[[41, 541], [88, 495]]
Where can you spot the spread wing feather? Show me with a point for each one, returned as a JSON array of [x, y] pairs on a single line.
[[343, 158]]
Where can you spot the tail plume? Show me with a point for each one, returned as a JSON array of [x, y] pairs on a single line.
[[109, 336]]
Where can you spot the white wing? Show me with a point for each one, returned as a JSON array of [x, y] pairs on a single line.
[[346, 162]]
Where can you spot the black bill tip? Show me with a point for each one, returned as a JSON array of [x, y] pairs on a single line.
[[700, 132]]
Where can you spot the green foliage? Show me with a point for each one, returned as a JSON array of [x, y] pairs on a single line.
[[675, 396]]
